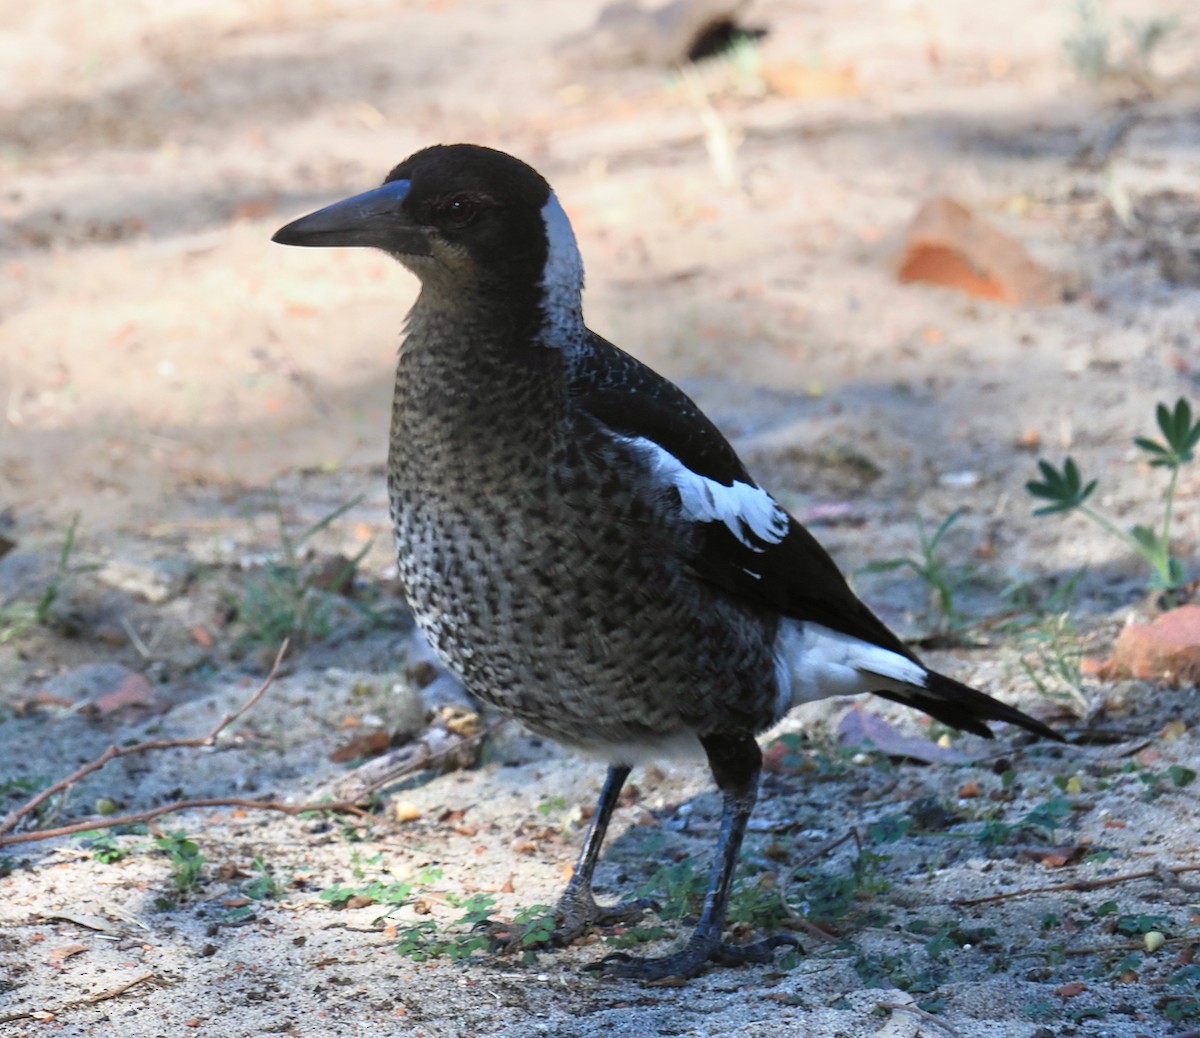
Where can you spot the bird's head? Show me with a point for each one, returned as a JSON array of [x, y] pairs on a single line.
[[471, 223]]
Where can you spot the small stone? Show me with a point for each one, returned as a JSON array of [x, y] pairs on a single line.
[[406, 811], [100, 687], [154, 580], [664, 36]]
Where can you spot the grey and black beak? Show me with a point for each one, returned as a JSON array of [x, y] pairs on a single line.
[[375, 219]]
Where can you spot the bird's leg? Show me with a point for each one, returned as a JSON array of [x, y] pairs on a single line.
[[736, 762], [576, 911]]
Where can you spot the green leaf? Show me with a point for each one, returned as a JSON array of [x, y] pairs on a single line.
[[1146, 537], [1179, 431], [885, 565], [1065, 488], [1181, 776], [1161, 456]]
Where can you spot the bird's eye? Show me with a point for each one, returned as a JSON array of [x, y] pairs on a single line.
[[459, 210]]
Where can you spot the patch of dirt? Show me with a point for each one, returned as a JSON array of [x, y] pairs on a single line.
[[214, 410]]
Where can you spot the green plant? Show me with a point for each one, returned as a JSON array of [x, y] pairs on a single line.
[[287, 599], [186, 859], [17, 617], [262, 884], [1051, 657], [1066, 491], [424, 940], [104, 847], [471, 931], [1043, 820], [1089, 47], [1187, 1006], [393, 893], [943, 579]]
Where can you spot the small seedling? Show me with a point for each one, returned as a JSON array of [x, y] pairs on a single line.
[[678, 889], [1066, 491], [1185, 1007], [262, 885], [104, 847], [285, 599], [393, 893], [944, 579], [1089, 47], [17, 616], [186, 859], [1043, 820], [1052, 656]]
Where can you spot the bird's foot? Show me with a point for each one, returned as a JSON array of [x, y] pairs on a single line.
[[692, 959], [575, 914]]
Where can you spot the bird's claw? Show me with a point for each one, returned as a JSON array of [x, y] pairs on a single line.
[[692, 959], [575, 914]]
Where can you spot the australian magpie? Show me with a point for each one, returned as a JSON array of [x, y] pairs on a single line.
[[580, 544]]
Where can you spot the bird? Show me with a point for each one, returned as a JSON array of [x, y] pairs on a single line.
[[580, 544]]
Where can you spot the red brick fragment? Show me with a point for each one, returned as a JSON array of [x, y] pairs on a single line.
[[948, 244], [1166, 650]]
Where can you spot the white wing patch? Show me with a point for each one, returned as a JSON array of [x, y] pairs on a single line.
[[562, 280], [813, 662], [744, 508]]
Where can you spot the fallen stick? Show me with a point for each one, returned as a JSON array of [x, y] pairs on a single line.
[[455, 735], [1078, 884], [100, 996], [445, 738], [110, 821], [12, 819], [917, 1011]]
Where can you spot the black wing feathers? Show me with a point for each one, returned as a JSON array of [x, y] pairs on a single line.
[[795, 577]]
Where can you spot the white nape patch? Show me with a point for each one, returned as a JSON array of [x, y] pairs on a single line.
[[741, 507], [562, 281], [812, 662]]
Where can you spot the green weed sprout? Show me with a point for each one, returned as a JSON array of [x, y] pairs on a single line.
[[1066, 491], [942, 578]]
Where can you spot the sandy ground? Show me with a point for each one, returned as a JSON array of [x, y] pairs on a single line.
[[182, 384]]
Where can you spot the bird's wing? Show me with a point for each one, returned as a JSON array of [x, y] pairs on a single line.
[[745, 543], [741, 540]]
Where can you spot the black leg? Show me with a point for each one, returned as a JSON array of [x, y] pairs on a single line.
[[577, 911], [735, 762]]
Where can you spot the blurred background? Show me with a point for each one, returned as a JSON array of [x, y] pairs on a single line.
[[763, 193], [900, 251]]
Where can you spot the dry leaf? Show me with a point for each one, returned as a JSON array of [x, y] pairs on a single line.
[[369, 744], [859, 727], [59, 955]]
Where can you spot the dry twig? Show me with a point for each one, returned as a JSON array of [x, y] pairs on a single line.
[[438, 742], [785, 886], [346, 795], [1079, 884], [929, 1018], [100, 996], [13, 818], [110, 821]]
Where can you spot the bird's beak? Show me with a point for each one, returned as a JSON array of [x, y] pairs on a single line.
[[376, 219]]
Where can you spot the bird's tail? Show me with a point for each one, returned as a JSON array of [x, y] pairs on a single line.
[[961, 706]]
